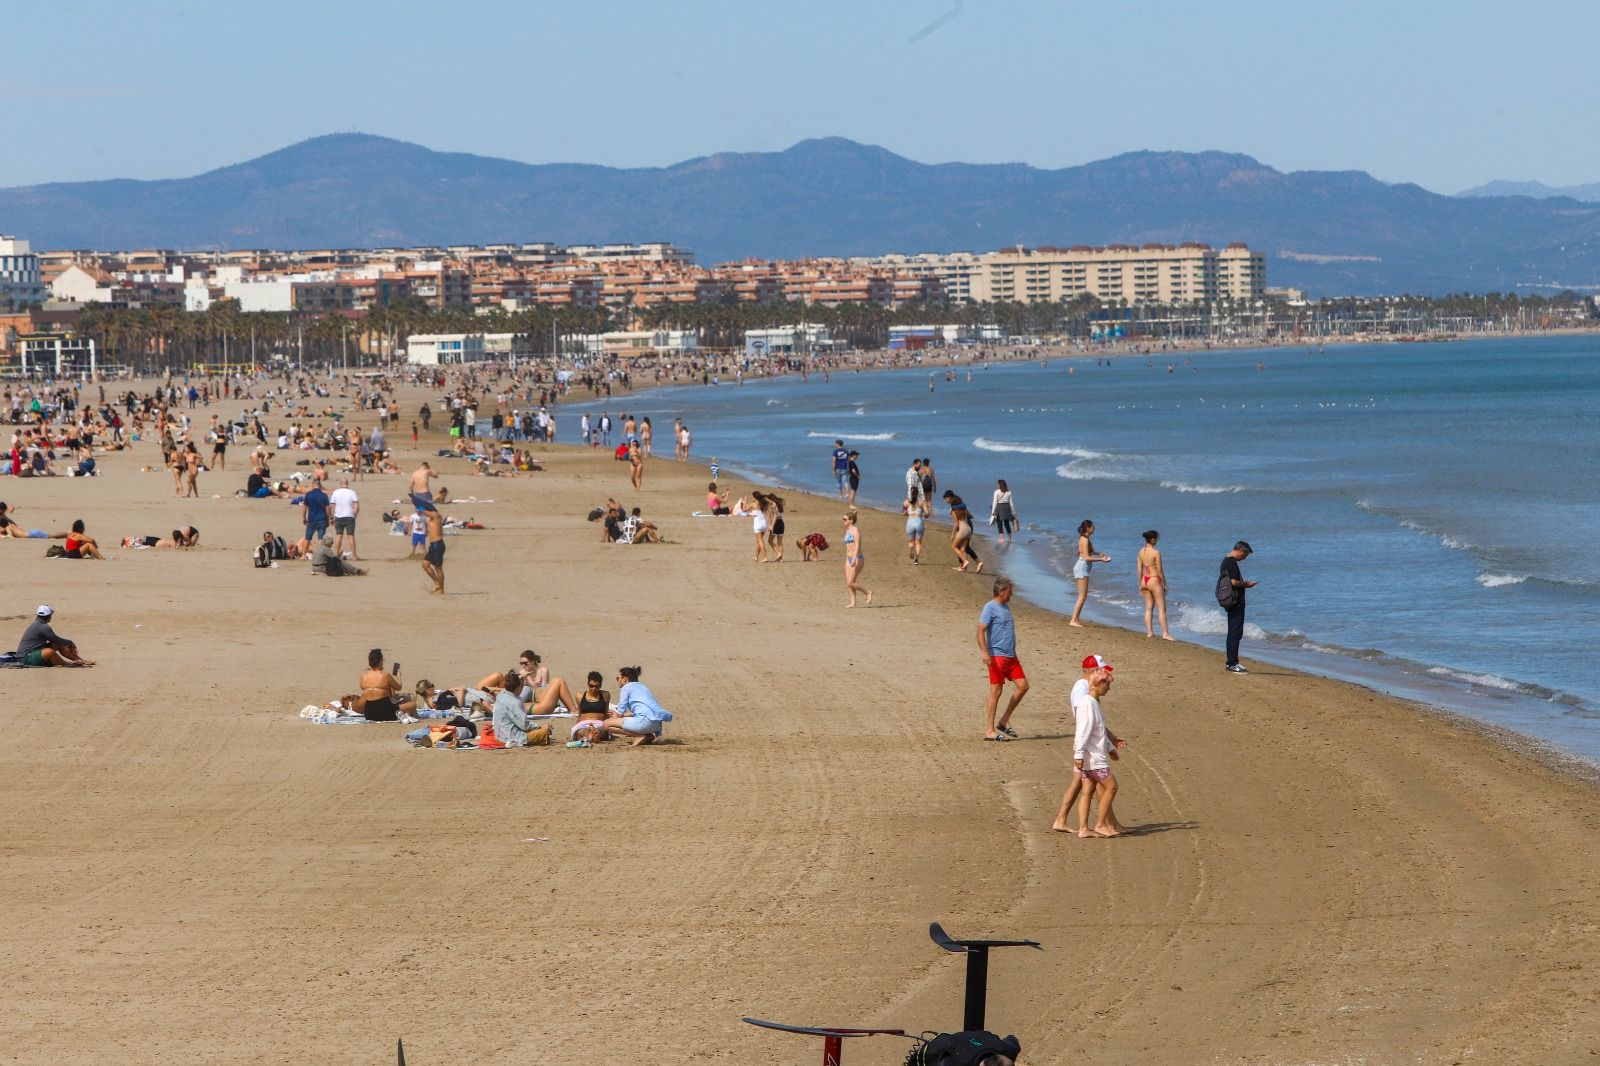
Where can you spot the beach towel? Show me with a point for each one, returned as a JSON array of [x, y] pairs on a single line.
[[11, 659]]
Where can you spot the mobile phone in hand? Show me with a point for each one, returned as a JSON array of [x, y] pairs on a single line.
[[396, 670]]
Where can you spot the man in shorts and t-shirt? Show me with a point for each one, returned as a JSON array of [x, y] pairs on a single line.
[[997, 639], [841, 466], [315, 507], [346, 505]]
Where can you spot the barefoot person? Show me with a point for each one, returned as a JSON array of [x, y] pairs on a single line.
[[854, 559], [1087, 557], [1153, 584], [1095, 667], [640, 715], [960, 531], [421, 493], [1093, 748], [43, 646], [997, 643], [433, 559]]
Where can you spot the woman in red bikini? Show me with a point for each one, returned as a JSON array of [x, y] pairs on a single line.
[[1153, 584]]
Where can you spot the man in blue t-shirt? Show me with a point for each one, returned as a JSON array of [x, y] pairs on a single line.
[[315, 507], [841, 466], [997, 641]]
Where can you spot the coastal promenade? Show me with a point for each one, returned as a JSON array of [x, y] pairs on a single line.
[[1320, 874]]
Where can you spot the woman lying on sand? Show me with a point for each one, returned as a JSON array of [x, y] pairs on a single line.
[[187, 537]]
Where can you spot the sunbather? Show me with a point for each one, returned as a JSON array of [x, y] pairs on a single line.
[[556, 693], [383, 698], [187, 537]]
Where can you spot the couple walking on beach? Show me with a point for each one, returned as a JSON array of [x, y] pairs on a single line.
[[1094, 745]]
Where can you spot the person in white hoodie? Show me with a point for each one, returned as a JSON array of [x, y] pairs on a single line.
[[1094, 746]]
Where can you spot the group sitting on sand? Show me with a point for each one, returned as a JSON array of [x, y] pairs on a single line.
[[507, 708]]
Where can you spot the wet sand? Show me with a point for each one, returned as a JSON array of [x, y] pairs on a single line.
[[1321, 874]]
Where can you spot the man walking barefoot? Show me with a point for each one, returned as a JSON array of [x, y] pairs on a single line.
[[997, 640], [433, 561], [1095, 669], [1093, 748]]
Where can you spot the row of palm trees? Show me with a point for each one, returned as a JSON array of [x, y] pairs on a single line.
[[160, 337]]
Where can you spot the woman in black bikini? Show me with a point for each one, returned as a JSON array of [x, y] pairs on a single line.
[[594, 706], [383, 698]]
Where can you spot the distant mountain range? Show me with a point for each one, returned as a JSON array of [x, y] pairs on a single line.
[[1331, 233], [1536, 189]]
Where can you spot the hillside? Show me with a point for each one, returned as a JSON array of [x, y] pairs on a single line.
[[1328, 232]]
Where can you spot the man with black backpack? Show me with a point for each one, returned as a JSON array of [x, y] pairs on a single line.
[[1230, 597]]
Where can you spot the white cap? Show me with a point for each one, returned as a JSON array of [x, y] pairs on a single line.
[[44, 610]]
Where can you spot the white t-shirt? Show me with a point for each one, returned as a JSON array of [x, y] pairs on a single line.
[[344, 502], [1090, 742]]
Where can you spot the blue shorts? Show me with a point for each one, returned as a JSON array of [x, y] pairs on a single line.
[[423, 501], [263, 492], [1080, 569], [641, 726], [418, 539], [317, 530]]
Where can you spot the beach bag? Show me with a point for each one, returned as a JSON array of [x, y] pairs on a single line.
[[55, 551], [263, 561], [963, 1049], [486, 737], [442, 736], [1227, 595]]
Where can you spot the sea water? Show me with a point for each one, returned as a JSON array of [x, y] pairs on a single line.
[[1425, 517]]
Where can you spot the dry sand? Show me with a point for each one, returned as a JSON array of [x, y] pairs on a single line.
[[194, 874]]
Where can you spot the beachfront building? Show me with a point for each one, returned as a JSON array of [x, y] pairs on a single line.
[[787, 340], [20, 281], [1188, 273], [442, 349], [58, 354], [633, 343]]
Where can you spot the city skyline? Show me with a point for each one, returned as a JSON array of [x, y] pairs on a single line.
[[1402, 94]]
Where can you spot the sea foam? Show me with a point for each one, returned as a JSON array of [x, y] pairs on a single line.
[[987, 445], [852, 436]]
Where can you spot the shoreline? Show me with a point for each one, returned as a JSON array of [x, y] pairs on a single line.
[[1446, 687], [1320, 872]]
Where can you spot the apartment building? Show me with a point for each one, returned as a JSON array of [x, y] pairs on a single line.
[[20, 280], [1186, 273]]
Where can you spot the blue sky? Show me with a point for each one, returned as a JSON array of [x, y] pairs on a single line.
[[1447, 95]]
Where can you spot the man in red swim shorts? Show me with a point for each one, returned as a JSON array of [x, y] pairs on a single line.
[[997, 640]]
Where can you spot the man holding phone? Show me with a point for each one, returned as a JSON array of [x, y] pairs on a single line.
[[1230, 568]]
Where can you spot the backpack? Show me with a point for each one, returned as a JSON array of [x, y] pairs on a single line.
[[1227, 595], [964, 1049], [261, 557]]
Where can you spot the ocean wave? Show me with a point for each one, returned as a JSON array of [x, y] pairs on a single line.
[[987, 445], [1482, 680], [1204, 490], [1494, 581], [852, 436], [1209, 621]]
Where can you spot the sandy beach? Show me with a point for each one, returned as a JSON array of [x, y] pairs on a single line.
[[1320, 874]]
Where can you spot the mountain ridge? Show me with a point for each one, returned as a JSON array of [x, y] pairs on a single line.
[[1330, 232]]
